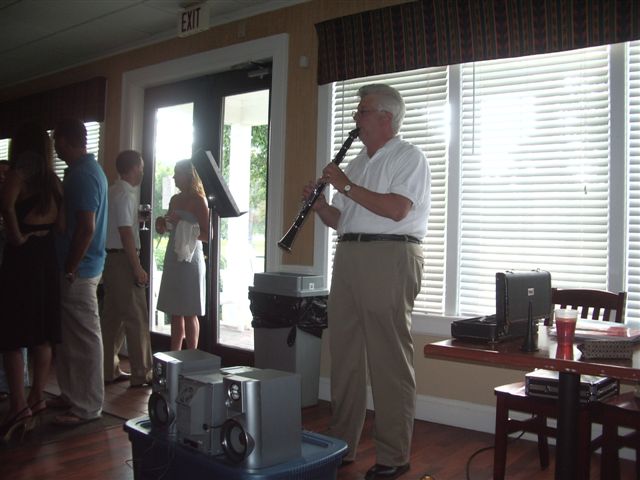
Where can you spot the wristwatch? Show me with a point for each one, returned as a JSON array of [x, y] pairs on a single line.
[[347, 189]]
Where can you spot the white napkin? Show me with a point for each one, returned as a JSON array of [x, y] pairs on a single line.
[[186, 239]]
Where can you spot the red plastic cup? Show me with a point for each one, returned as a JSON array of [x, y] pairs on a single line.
[[565, 326], [564, 351]]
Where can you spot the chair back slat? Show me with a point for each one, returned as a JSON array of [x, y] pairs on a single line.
[[601, 303]]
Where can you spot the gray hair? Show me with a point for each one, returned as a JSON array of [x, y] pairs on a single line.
[[389, 100]]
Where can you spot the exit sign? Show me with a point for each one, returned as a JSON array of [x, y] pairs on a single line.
[[193, 20]]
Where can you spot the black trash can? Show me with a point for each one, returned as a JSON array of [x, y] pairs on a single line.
[[288, 321]]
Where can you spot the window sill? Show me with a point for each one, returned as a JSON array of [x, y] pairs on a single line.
[[432, 325]]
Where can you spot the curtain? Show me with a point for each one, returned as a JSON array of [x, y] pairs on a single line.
[[84, 100], [430, 33]]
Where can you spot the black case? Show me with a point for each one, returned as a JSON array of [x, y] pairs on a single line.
[[544, 383], [514, 291]]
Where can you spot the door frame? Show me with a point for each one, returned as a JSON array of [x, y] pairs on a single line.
[[276, 48], [207, 94]]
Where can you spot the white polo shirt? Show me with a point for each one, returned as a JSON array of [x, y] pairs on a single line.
[[123, 212], [398, 167]]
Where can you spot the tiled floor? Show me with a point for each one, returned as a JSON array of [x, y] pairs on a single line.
[[119, 399]]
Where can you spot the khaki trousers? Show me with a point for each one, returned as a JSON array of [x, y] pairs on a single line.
[[79, 356], [125, 314], [373, 289]]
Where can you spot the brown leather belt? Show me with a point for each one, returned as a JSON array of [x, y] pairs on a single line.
[[377, 237]]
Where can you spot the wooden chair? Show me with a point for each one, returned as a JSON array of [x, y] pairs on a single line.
[[602, 302], [591, 304], [620, 411]]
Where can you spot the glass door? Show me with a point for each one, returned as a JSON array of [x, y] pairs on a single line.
[[173, 142], [227, 114], [242, 239]]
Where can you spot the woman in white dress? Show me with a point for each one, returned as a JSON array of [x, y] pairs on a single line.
[[183, 287]]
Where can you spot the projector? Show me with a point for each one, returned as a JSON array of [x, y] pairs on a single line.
[[167, 367], [201, 409], [263, 426]]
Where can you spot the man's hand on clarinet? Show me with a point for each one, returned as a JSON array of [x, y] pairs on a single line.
[[334, 175], [307, 193]]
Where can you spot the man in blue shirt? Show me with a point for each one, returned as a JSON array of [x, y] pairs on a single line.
[[81, 255]]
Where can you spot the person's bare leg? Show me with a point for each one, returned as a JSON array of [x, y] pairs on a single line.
[[14, 368], [177, 332], [192, 331], [41, 355]]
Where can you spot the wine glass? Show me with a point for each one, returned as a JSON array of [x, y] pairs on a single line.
[[144, 212]]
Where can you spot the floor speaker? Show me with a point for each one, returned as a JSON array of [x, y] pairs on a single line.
[[167, 367], [263, 425]]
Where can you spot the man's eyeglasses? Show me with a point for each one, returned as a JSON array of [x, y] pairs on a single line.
[[362, 112]]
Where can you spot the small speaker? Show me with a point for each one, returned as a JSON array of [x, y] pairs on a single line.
[[167, 367], [263, 426], [201, 409]]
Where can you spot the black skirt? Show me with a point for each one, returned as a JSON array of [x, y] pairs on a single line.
[[29, 294]]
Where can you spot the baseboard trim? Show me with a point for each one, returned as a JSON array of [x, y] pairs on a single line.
[[454, 413]]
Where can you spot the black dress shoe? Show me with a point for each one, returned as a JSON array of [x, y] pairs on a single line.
[[140, 385], [383, 471]]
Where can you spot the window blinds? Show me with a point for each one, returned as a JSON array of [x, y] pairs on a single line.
[[534, 174], [94, 130], [93, 146], [4, 149], [633, 210], [425, 125]]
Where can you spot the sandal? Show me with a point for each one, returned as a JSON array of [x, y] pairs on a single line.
[[36, 409], [16, 425], [71, 420], [39, 407]]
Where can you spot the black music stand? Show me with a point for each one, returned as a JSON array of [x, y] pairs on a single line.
[[219, 197], [221, 205]]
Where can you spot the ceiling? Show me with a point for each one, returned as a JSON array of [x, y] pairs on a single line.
[[39, 37]]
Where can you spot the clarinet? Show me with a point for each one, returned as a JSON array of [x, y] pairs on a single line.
[[287, 240]]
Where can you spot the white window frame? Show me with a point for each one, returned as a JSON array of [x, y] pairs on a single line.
[[439, 325]]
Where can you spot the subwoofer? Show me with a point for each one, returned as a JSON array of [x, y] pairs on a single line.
[[263, 426], [167, 367]]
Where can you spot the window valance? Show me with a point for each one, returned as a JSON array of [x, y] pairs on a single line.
[[429, 33], [84, 100]]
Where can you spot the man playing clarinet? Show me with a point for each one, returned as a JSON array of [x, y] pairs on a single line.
[[380, 213]]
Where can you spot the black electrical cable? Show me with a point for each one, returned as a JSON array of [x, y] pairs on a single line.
[[484, 449]]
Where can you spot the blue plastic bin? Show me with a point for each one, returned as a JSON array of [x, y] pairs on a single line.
[[156, 456]]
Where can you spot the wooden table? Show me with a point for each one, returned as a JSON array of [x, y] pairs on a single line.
[[570, 366]]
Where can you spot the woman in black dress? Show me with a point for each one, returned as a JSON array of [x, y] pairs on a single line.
[[29, 280]]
